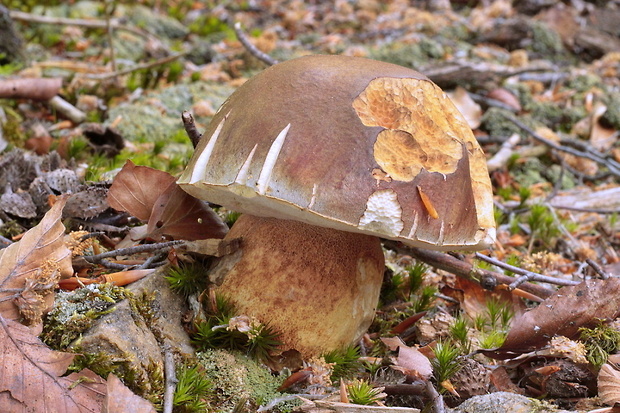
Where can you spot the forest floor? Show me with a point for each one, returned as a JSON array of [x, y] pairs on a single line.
[[92, 143]]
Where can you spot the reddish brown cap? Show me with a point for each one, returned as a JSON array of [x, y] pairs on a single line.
[[352, 144]]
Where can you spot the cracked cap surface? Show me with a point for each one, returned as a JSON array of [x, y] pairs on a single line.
[[352, 144]]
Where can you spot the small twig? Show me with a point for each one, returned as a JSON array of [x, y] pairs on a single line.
[[463, 269], [596, 156], [435, 397], [67, 109], [91, 235], [148, 65], [90, 23], [245, 41], [417, 388], [190, 128], [5, 241], [115, 265], [109, 10], [525, 274], [598, 269], [97, 259], [171, 381], [593, 210], [492, 102], [501, 158]]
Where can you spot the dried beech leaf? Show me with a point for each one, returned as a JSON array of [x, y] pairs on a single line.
[[474, 299], [609, 384], [179, 215], [466, 105], [413, 363], [30, 376], [136, 188], [33, 266], [563, 313], [120, 397], [506, 97], [392, 343]]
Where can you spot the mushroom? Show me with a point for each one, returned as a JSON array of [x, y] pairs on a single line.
[[326, 155]]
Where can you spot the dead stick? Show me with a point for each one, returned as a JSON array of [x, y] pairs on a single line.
[[245, 41], [190, 128], [95, 24], [171, 381], [530, 276], [131, 69], [464, 269], [95, 259]]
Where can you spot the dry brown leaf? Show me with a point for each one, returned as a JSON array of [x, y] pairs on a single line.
[[474, 299], [563, 313], [120, 399], [609, 384], [30, 269], [136, 188], [505, 96], [413, 363], [154, 197], [30, 376], [466, 105], [602, 137], [178, 215]]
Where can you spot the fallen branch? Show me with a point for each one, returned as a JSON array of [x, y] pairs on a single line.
[[587, 152], [464, 269], [148, 65], [525, 274], [89, 23], [30, 88]]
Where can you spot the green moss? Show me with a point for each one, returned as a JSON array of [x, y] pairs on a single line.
[[76, 311], [192, 390], [407, 55], [187, 279], [585, 83], [611, 117], [238, 379], [495, 123], [345, 362], [555, 116], [148, 384], [600, 342], [546, 41]]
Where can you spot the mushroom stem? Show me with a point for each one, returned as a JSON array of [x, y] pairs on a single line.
[[318, 287]]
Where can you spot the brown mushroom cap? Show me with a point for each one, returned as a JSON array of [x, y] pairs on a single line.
[[351, 144]]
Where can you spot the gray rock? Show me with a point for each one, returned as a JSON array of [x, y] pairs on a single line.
[[129, 340], [502, 402]]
